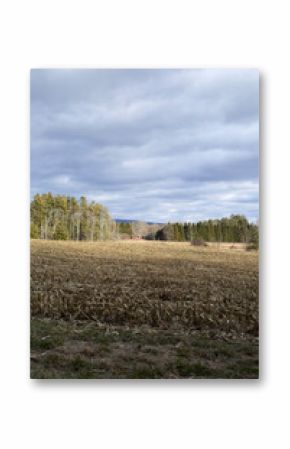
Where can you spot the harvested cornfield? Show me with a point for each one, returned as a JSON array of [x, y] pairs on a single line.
[[141, 309], [159, 284]]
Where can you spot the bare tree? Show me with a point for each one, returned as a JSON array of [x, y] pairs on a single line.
[[139, 229], [91, 221], [102, 223], [76, 218]]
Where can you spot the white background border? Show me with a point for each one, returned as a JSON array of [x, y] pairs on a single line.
[[127, 414]]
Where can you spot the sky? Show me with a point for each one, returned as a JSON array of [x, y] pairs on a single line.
[[152, 145]]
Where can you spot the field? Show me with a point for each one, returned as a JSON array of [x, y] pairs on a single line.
[[141, 309]]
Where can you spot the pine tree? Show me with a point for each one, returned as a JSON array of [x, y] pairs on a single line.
[[60, 232]]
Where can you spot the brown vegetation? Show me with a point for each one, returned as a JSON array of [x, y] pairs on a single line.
[[164, 286], [153, 283]]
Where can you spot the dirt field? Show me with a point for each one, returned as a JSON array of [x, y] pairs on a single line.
[[141, 309]]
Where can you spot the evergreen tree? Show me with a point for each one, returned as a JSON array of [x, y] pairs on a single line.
[[253, 242], [60, 232]]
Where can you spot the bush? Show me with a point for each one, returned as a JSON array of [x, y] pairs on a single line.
[[150, 236], [198, 242], [252, 247]]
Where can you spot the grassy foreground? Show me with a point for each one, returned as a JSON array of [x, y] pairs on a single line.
[[143, 310], [89, 351]]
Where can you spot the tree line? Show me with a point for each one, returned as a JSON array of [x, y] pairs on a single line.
[[235, 228], [61, 217]]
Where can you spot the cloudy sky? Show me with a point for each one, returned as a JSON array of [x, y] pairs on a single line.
[[155, 145]]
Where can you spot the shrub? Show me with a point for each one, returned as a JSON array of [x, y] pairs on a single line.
[[198, 242], [252, 246]]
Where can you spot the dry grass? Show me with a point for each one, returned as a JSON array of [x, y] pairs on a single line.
[[160, 284]]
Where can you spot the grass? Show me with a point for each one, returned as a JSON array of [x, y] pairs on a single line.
[[88, 350], [143, 310]]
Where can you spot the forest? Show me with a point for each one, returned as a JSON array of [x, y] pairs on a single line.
[[61, 217]]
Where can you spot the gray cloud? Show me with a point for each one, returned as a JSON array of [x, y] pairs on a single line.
[[155, 145]]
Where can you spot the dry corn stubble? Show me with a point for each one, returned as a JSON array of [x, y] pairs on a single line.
[[161, 284]]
